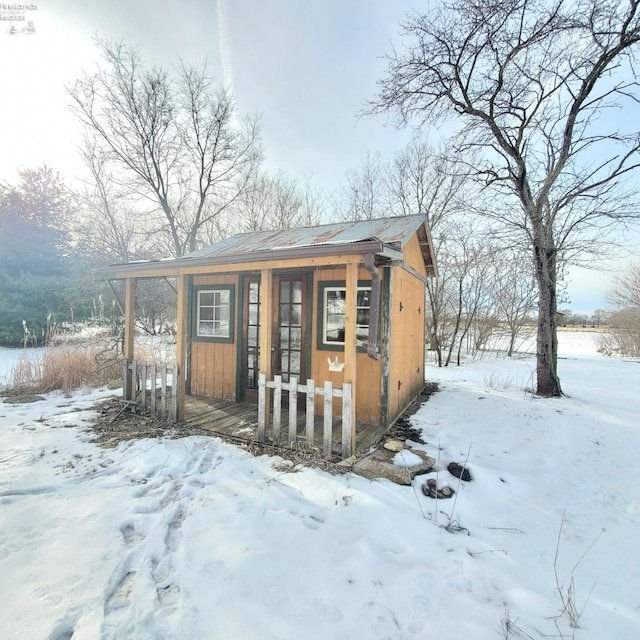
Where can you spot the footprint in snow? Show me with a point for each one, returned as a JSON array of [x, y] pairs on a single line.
[[62, 631], [174, 532], [130, 535], [121, 594], [168, 596]]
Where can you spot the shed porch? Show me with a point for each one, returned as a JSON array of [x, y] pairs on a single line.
[[240, 420]]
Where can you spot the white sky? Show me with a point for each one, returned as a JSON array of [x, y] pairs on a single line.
[[306, 66]]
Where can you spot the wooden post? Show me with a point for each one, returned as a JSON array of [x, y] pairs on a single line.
[[277, 408], [266, 320], [262, 394], [310, 413], [143, 388], [328, 418], [129, 325], [350, 369], [179, 388], [347, 396], [293, 410]]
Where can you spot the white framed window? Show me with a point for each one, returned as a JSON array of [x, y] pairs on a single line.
[[213, 313], [333, 315]]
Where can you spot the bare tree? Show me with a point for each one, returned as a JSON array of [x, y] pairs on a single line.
[[275, 202], [529, 81], [364, 197], [515, 293], [626, 289], [423, 180], [172, 136]]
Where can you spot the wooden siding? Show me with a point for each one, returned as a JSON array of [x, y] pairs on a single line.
[[368, 381], [413, 256], [407, 339], [213, 364]]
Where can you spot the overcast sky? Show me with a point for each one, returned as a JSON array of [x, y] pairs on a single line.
[[307, 66]]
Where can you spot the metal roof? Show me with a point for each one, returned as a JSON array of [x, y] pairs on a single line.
[[384, 237], [394, 232]]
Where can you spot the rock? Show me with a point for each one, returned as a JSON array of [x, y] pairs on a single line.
[[430, 489], [114, 384], [379, 464], [393, 445], [459, 471]]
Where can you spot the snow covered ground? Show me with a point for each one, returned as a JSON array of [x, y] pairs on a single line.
[[197, 539]]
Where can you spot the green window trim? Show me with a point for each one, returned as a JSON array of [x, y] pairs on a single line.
[[329, 291], [213, 313]]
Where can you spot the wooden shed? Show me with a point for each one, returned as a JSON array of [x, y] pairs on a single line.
[[339, 304]]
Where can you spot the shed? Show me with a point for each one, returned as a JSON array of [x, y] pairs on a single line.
[[337, 303]]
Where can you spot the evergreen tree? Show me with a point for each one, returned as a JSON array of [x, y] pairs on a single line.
[[35, 281]]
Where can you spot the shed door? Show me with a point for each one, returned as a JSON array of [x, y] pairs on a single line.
[[289, 326], [289, 337]]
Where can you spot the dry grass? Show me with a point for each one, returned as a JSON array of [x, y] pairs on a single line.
[[68, 366]]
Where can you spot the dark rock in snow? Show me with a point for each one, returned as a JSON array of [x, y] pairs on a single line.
[[459, 471], [430, 489]]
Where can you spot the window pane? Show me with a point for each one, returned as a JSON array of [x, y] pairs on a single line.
[[252, 338], [253, 314], [296, 315], [206, 298], [296, 338], [284, 291], [206, 313], [284, 361], [364, 297], [296, 291], [284, 314], [223, 297], [363, 317], [254, 290], [284, 336], [294, 362], [205, 329]]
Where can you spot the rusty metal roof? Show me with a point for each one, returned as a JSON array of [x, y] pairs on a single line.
[[384, 237], [393, 232]]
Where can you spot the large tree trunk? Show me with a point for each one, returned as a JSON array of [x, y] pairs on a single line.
[[548, 383]]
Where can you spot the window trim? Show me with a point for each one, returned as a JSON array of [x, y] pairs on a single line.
[[212, 288], [323, 286]]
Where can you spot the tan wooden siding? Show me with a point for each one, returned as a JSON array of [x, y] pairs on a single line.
[[407, 339], [413, 256], [213, 364]]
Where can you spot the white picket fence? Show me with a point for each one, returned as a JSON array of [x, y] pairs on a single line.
[[145, 380], [292, 389]]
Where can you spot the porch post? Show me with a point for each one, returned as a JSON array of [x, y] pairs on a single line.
[[129, 325], [350, 369], [179, 386], [266, 321]]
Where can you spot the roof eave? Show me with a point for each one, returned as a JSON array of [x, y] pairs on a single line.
[[182, 265]]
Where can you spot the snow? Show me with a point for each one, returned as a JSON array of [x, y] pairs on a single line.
[[195, 538]]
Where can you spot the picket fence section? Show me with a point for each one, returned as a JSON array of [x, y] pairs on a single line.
[[142, 381], [292, 389]]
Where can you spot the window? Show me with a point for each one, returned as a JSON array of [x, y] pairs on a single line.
[[213, 313], [332, 303]]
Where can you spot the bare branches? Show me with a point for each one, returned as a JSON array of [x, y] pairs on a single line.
[[173, 137], [530, 82]]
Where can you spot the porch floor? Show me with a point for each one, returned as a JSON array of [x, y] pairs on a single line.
[[240, 420]]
